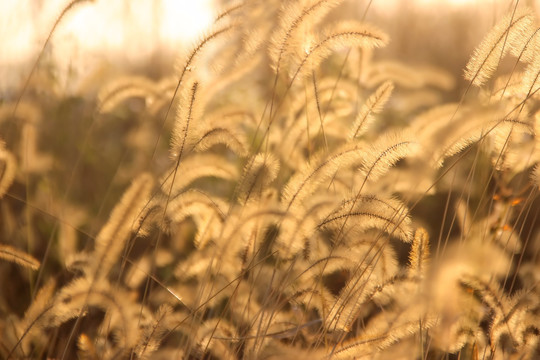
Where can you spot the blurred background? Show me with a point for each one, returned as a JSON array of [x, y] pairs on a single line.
[[102, 37]]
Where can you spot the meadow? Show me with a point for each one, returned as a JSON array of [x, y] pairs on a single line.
[[289, 191]]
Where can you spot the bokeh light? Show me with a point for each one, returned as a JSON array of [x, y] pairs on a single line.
[[119, 32]]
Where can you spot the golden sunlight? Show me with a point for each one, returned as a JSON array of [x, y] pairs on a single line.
[[94, 33], [269, 179]]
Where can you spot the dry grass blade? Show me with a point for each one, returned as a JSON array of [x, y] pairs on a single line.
[[419, 255], [196, 167], [306, 181], [367, 212], [74, 300], [188, 110], [498, 302], [385, 153], [530, 83], [124, 88], [383, 331], [223, 136], [258, 174], [536, 176], [233, 6], [153, 334], [504, 36], [351, 298], [8, 168], [111, 239], [293, 17], [205, 211], [19, 257], [34, 319], [186, 62], [373, 105], [347, 34]]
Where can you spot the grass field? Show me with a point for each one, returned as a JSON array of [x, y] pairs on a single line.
[[314, 179]]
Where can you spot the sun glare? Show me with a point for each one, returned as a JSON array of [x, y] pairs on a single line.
[[457, 2], [112, 31], [190, 17]]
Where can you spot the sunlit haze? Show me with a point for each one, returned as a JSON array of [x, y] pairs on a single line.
[[96, 32], [133, 33]]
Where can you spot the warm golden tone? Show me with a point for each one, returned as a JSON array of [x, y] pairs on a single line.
[[287, 193]]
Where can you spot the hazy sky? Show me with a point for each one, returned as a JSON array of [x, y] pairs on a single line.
[[131, 31], [93, 32]]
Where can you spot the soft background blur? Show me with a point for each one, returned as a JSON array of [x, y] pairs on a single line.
[[118, 36]]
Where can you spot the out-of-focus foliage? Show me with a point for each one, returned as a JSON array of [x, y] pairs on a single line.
[[286, 193]]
